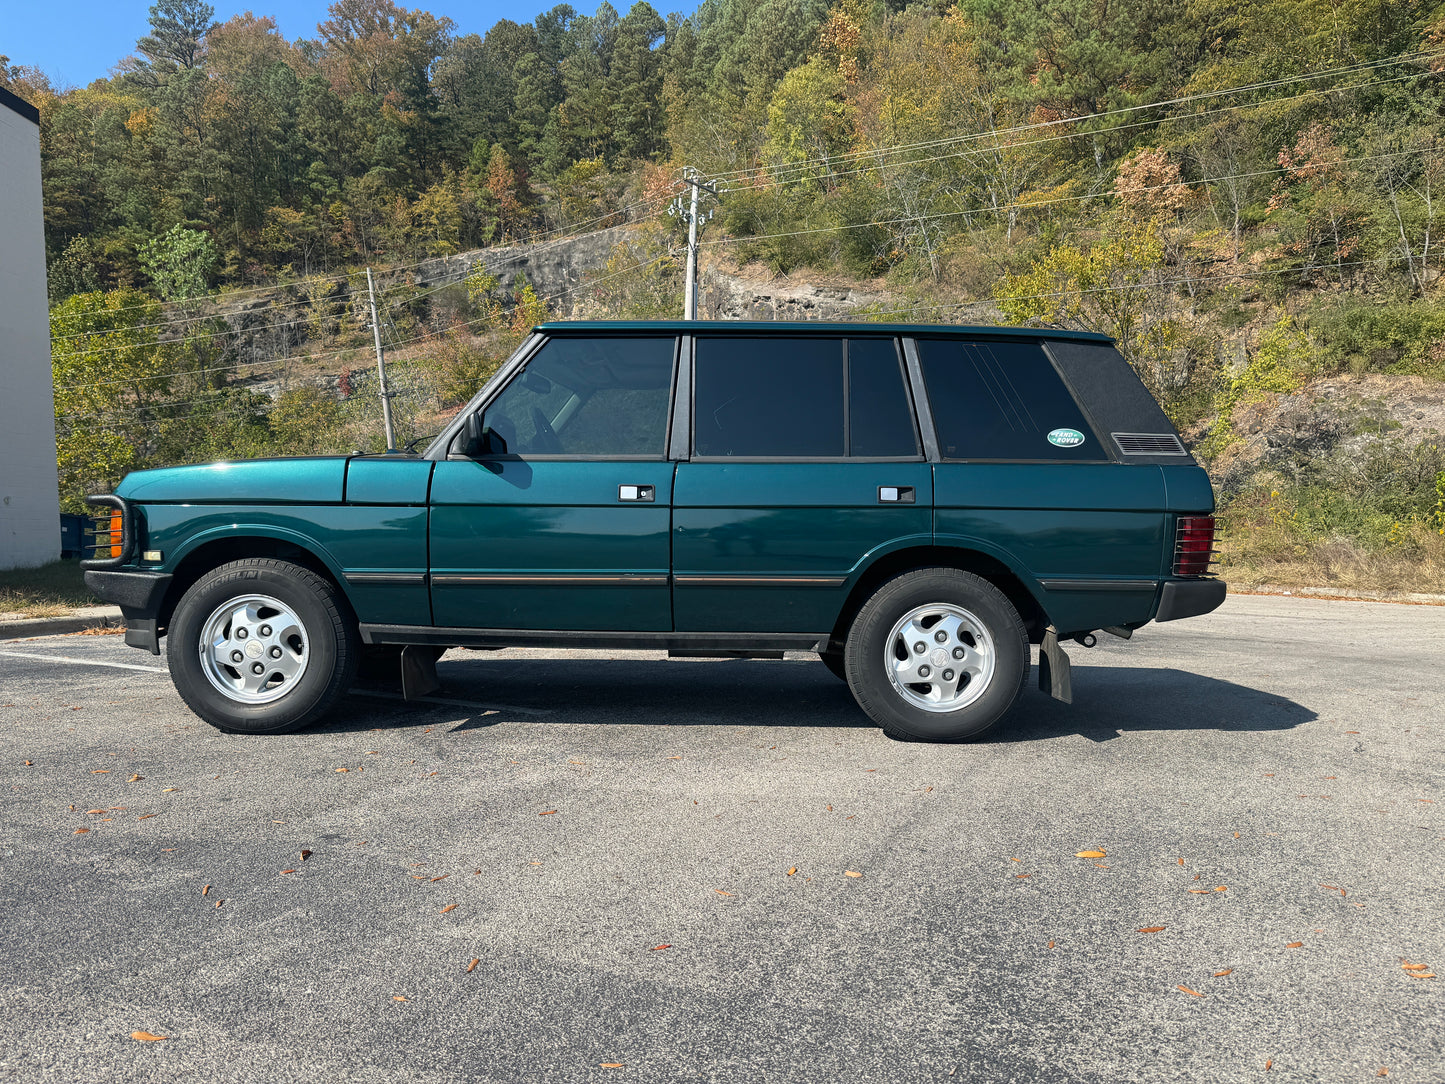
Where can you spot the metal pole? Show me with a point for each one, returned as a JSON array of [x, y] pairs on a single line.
[[381, 365], [689, 306]]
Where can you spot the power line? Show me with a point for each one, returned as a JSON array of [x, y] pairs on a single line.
[[1030, 205], [1202, 96]]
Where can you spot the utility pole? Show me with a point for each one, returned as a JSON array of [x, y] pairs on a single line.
[[380, 365], [690, 177]]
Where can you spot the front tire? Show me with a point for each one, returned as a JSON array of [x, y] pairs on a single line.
[[262, 646], [937, 654]]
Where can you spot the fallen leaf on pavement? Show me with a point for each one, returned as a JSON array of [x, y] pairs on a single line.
[[167, 790], [80, 831], [1421, 974], [1051, 944], [1151, 929], [659, 948], [1236, 835], [1021, 876], [1092, 854], [1268, 1062], [1416, 967], [610, 1065], [472, 966], [1200, 891], [90, 811], [1186, 989], [305, 855], [851, 873], [672, 758], [792, 870], [1226, 971], [147, 816], [343, 769], [147, 1037], [546, 813], [720, 892], [206, 890], [397, 997], [577, 762], [288, 871], [1383, 1071], [1180, 861], [100, 771], [448, 907], [1295, 944], [1221, 888], [443, 877], [135, 779], [219, 902]]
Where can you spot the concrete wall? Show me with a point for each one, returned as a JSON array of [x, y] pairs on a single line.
[[29, 505]]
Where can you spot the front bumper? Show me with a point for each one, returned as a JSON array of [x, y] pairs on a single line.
[[1189, 598], [139, 596]]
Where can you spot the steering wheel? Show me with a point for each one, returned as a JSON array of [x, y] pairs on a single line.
[[545, 442]]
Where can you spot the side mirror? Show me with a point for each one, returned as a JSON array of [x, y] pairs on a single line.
[[468, 441]]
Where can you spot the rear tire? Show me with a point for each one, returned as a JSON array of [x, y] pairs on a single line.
[[262, 646], [937, 654]]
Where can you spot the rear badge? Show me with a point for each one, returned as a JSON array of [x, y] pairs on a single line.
[[1066, 438]]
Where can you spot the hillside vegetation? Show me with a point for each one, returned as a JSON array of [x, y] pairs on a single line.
[[1243, 194]]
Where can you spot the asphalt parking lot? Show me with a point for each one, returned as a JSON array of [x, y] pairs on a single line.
[[720, 871]]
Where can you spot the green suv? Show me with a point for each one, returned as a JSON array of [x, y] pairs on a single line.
[[915, 504]]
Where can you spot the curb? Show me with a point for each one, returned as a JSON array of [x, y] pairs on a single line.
[[1342, 594], [105, 617]]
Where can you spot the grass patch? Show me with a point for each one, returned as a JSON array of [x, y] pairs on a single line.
[[48, 591]]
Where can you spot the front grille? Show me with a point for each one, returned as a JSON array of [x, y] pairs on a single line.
[[1148, 444]]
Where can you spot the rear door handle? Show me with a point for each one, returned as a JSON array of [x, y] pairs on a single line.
[[896, 495], [642, 494]]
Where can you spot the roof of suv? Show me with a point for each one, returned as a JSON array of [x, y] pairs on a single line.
[[806, 326]]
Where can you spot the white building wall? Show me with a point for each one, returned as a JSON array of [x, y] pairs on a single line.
[[29, 503]]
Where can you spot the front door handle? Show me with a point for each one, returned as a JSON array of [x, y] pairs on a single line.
[[643, 494], [896, 495]]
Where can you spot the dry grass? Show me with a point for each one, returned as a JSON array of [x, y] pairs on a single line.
[[1414, 564], [52, 590]]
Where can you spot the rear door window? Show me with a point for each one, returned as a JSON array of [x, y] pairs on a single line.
[[769, 397], [1003, 400], [880, 421]]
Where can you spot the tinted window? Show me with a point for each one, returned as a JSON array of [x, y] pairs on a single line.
[[588, 397], [879, 421], [768, 397], [1002, 400]]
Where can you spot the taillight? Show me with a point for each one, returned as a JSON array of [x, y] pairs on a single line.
[[1194, 546], [116, 534]]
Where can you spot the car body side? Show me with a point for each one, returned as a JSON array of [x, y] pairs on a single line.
[[752, 555]]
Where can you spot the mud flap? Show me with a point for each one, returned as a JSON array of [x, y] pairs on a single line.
[[419, 671], [1055, 677]]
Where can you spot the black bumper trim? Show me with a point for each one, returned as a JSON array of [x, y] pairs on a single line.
[[1189, 598], [139, 596]]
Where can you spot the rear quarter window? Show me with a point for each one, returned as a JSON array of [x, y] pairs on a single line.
[[1003, 400]]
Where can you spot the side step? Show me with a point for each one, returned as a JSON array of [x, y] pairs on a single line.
[[691, 653]]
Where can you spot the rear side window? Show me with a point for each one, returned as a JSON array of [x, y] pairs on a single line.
[[1002, 400]]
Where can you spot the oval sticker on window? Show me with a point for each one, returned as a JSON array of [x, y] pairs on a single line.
[[1066, 438]]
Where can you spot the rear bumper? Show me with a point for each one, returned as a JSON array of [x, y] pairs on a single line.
[[139, 596], [1189, 598]]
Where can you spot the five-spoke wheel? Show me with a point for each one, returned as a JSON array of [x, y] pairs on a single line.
[[262, 646], [937, 654]]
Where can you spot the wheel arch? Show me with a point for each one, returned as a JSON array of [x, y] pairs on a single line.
[[1016, 588], [215, 552]]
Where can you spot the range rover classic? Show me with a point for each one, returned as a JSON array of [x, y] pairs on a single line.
[[916, 504]]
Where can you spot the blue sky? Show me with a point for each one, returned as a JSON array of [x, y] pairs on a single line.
[[80, 40]]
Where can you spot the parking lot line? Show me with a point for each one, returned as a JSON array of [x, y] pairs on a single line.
[[84, 662]]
